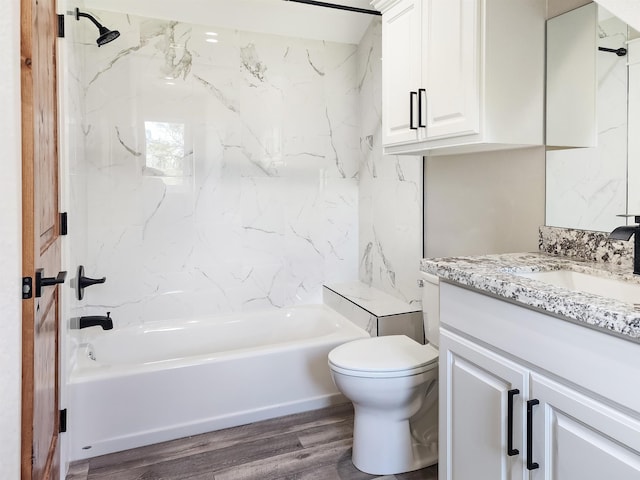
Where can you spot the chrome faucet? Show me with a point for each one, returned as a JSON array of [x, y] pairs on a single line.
[[96, 320], [624, 233]]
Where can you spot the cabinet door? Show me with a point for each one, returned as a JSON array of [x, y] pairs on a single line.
[[578, 438], [474, 412], [451, 67], [401, 71]]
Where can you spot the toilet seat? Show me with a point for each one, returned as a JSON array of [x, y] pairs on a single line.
[[383, 357]]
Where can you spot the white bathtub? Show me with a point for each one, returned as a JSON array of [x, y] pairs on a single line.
[[141, 385]]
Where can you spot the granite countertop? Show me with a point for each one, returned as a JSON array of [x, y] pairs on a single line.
[[495, 275]]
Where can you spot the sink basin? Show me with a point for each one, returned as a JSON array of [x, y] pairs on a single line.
[[583, 282]]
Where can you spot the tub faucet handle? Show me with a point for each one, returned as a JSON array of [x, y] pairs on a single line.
[[83, 282]]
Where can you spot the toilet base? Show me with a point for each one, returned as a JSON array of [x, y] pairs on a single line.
[[386, 446]]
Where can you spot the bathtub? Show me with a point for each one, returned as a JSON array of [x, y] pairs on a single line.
[[159, 381]]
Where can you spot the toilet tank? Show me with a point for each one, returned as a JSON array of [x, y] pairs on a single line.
[[431, 308]]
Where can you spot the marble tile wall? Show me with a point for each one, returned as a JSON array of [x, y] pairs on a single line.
[[221, 169], [586, 187], [390, 196]]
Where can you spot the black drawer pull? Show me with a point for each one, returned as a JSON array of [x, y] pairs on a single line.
[[412, 95], [531, 465], [421, 93], [510, 450]]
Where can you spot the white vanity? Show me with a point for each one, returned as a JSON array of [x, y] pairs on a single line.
[[536, 381]]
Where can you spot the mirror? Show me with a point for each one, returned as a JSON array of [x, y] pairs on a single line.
[[587, 187]]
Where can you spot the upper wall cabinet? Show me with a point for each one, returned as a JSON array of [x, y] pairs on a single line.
[[461, 75]]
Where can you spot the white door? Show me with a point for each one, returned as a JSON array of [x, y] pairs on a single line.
[[451, 67], [401, 72], [578, 438], [481, 434]]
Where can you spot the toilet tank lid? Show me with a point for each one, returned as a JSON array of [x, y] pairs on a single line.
[[382, 354]]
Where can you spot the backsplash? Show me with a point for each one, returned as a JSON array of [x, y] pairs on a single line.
[[585, 245]]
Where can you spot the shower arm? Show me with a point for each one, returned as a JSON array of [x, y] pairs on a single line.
[[621, 52], [90, 17]]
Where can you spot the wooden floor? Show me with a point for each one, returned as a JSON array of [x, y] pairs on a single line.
[[307, 446]]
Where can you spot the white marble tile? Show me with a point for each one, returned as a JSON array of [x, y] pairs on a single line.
[[390, 195], [277, 184], [371, 299], [355, 313], [219, 176]]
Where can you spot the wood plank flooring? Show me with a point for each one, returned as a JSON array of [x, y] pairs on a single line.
[[307, 446]]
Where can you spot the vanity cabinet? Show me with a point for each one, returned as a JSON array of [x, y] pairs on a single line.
[[516, 404], [481, 409], [454, 80], [576, 437]]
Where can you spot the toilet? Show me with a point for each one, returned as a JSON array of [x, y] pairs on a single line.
[[392, 382]]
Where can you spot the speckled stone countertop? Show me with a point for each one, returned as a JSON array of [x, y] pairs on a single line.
[[496, 275]]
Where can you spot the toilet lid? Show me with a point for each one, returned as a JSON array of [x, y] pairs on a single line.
[[383, 355]]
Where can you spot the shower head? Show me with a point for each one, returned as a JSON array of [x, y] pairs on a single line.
[[106, 35]]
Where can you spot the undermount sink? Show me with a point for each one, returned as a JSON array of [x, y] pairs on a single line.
[[583, 282]]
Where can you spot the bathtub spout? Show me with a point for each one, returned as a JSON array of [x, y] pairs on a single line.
[[96, 320]]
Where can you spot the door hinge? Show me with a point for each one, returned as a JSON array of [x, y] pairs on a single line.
[[63, 421], [60, 26], [64, 223], [27, 288]]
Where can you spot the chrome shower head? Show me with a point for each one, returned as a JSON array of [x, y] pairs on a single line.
[[106, 35]]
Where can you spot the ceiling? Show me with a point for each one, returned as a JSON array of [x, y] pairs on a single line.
[[277, 17]]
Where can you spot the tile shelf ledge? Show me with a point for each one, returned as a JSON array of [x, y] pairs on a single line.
[[374, 310]]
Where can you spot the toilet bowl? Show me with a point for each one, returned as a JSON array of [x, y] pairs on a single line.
[[392, 382]]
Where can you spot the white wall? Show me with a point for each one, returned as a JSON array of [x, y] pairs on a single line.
[[558, 7], [491, 202], [10, 240], [626, 10]]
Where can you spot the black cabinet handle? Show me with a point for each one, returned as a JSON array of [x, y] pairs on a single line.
[[531, 465], [421, 93], [510, 450], [42, 281], [412, 95]]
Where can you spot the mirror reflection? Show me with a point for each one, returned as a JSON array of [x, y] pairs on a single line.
[[588, 187]]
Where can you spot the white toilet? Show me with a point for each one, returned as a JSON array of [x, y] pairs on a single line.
[[393, 384]]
